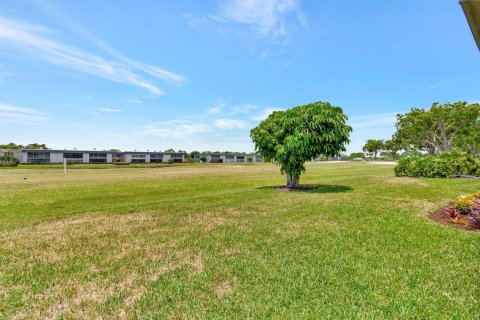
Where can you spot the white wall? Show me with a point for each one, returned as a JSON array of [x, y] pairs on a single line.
[[56, 157], [166, 157]]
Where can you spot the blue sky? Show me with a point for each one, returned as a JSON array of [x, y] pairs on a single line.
[[198, 75]]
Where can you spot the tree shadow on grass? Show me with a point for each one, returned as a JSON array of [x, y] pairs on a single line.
[[310, 188]]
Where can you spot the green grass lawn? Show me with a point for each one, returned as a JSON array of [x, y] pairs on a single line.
[[216, 241]]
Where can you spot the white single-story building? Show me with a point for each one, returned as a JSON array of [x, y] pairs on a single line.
[[228, 158], [47, 156]]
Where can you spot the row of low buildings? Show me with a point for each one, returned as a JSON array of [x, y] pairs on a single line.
[[227, 158], [47, 156]]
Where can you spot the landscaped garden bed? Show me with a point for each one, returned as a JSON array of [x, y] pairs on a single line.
[[463, 212]]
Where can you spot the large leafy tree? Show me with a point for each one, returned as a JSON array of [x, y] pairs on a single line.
[[393, 146], [469, 139], [292, 137], [373, 147], [440, 128]]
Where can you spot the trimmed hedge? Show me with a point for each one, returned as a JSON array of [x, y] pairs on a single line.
[[445, 165]]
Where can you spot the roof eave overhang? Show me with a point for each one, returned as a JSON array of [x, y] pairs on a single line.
[[471, 8]]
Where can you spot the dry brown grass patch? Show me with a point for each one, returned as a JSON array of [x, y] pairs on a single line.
[[121, 255], [226, 287]]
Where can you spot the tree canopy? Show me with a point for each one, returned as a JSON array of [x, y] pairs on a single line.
[[443, 127], [292, 137], [373, 147], [13, 146]]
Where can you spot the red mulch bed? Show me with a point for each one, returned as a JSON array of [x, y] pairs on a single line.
[[441, 216]]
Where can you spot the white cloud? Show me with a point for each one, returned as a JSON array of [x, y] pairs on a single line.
[[109, 110], [373, 121], [16, 114], [244, 108], [36, 40], [230, 124], [134, 101], [267, 17], [214, 110], [264, 114], [174, 128], [438, 84]]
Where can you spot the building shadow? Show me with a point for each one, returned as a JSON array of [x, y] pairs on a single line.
[[310, 188]]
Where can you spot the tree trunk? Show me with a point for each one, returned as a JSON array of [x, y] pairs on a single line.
[[292, 182]]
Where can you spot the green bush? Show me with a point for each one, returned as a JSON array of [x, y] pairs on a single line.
[[8, 161], [444, 165]]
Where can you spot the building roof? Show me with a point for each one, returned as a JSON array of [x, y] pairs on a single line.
[[471, 8]]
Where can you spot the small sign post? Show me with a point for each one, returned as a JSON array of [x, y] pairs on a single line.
[[65, 165]]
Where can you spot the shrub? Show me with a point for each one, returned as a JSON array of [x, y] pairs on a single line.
[[8, 161], [444, 165], [464, 203]]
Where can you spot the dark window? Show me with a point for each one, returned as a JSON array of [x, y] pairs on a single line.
[[73, 155], [98, 155], [38, 157], [97, 160]]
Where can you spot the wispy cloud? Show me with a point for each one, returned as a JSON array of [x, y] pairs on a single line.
[[174, 128], [38, 41], [264, 114], [244, 108], [266, 17], [214, 110], [438, 84], [134, 101], [10, 113], [267, 25], [230, 124], [76, 28], [108, 110], [373, 121], [222, 107]]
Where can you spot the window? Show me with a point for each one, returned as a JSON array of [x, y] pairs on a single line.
[[156, 157], [97, 157], [73, 155], [38, 157], [138, 158]]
